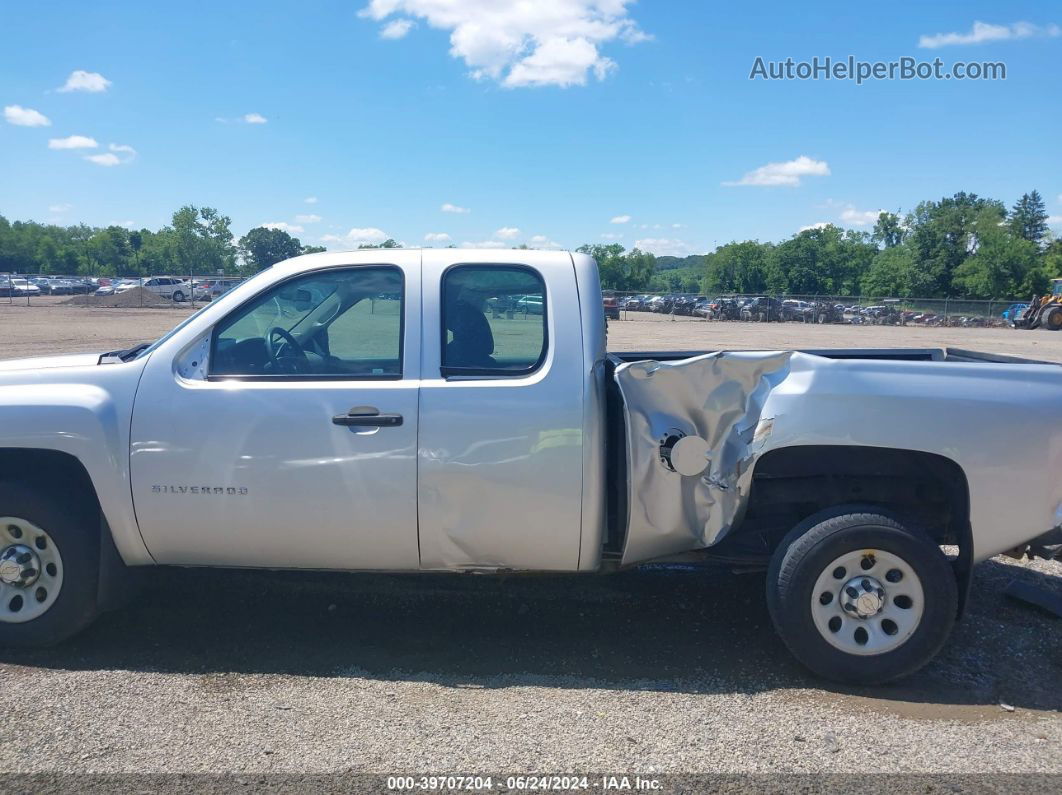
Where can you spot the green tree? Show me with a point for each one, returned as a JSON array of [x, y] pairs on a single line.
[[888, 231], [262, 248], [1004, 264], [109, 252], [1028, 219], [203, 241], [739, 268], [891, 274], [942, 236]]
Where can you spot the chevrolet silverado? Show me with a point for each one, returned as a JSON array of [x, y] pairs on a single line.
[[451, 410]]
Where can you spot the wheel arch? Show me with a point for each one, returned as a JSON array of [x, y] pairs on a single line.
[[65, 472], [816, 481]]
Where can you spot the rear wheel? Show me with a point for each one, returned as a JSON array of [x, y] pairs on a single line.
[[860, 598], [49, 568], [178, 296]]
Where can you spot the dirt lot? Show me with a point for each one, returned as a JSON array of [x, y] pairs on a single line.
[[660, 669], [52, 327]]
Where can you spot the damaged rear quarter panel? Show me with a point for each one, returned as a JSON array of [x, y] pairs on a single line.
[[1001, 423], [719, 397]]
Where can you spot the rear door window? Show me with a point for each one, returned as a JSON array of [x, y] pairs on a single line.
[[494, 320]]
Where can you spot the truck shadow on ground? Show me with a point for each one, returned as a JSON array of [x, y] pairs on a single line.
[[672, 629]]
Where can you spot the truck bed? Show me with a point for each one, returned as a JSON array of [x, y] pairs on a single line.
[[896, 354]]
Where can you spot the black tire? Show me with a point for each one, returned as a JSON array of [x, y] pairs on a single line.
[[1052, 319], [178, 296], [75, 532], [811, 547]]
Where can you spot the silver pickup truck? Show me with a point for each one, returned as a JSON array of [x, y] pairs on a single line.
[[450, 410]]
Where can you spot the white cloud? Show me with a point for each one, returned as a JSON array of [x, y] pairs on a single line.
[[507, 233], [664, 247], [118, 155], [982, 32], [437, 237], [368, 235], [517, 43], [787, 174], [284, 226], [396, 29], [25, 117], [308, 218], [73, 142], [453, 208], [819, 225], [484, 244], [254, 118], [850, 215], [620, 219], [677, 226], [611, 236], [80, 80], [1054, 220], [541, 241], [1059, 199], [59, 208], [108, 159], [310, 200], [126, 224]]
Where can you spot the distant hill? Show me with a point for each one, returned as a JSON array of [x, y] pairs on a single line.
[[671, 263]]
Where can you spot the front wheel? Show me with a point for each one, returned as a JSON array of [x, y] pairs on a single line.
[[860, 598], [1052, 319], [49, 567], [178, 296]]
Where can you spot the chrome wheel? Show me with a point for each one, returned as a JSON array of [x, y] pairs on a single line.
[[867, 602], [31, 571]]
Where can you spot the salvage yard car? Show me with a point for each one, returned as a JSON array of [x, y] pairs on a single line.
[[362, 411]]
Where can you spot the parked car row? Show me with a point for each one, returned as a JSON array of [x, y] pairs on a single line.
[[169, 287], [762, 308]]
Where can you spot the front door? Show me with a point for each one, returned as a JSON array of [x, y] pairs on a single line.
[[296, 446]]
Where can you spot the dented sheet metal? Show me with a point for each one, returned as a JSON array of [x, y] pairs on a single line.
[[710, 406]]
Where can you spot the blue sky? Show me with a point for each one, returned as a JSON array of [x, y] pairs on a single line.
[[545, 121]]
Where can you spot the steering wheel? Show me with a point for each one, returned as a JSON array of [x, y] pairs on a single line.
[[297, 359]]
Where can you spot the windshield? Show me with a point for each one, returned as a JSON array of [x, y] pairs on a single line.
[[153, 346]]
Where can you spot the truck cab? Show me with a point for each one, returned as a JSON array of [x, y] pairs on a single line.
[[410, 401]]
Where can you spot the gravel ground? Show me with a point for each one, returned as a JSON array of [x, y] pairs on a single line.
[[655, 670]]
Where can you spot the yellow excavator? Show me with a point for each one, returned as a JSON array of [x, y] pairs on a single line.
[[1045, 311]]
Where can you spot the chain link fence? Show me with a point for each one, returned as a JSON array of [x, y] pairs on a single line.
[[113, 292], [168, 291]]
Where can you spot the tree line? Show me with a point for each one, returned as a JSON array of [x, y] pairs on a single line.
[[198, 240], [960, 246]]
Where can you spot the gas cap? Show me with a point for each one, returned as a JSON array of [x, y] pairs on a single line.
[[687, 455]]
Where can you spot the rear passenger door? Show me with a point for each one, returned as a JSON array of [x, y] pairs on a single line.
[[500, 451]]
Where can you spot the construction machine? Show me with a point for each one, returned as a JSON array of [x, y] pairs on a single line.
[[1044, 311]]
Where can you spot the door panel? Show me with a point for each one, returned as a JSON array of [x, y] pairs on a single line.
[[257, 471], [500, 480]]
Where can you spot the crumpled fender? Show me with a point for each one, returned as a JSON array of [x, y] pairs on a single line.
[[718, 397]]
